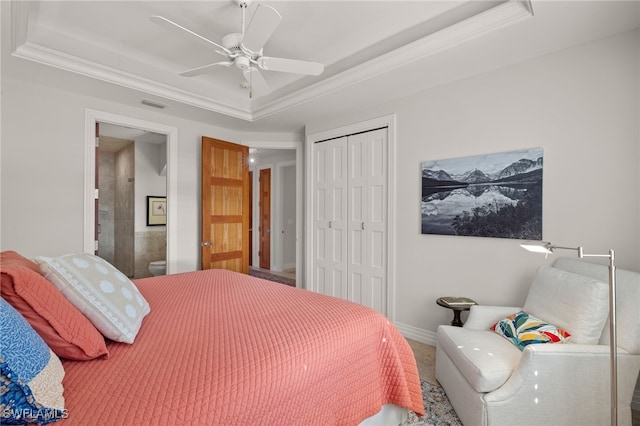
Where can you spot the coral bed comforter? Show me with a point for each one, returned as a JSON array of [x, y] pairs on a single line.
[[224, 348]]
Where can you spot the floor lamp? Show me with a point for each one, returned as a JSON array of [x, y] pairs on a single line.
[[548, 248]]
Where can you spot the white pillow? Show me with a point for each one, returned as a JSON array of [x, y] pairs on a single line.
[[576, 303], [102, 293]]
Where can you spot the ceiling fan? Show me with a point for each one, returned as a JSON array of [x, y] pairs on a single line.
[[244, 49]]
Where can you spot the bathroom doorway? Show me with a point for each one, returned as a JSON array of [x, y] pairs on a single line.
[[132, 166], [92, 118]]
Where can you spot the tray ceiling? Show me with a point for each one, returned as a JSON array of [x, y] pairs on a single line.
[[362, 44]]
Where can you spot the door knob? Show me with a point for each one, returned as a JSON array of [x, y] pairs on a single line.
[[206, 244]]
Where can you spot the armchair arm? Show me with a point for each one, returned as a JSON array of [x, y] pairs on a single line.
[[481, 317], [550, 378]]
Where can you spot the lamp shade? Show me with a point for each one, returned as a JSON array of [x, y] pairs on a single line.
[[537, 248]]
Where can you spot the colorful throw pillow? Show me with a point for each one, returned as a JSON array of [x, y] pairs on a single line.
[[31, 375], [105, 295], [62, 326], [523, 329]]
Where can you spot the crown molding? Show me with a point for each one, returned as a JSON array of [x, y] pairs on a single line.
[[37, 53], [493, 19]]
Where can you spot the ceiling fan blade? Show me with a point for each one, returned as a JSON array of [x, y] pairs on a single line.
[[204, 69], [264, 22], [290, 65], [164, 22], [258, 85]]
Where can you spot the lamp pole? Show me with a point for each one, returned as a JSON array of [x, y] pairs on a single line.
[[613, 338]]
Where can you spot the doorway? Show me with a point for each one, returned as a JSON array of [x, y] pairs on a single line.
[[264, 253], [91, 209], [275, 213], [131, 166]]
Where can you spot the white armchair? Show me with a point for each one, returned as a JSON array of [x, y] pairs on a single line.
[[491, 382]]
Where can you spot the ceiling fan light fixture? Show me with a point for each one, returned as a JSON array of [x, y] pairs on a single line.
[[243, 62], [232, 42]]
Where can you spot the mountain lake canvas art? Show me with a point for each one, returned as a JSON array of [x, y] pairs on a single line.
[[493, 195]]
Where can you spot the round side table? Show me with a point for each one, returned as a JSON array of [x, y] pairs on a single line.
[[457, 308]]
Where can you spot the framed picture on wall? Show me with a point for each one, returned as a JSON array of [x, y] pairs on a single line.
[[493, 195], [156, 210]]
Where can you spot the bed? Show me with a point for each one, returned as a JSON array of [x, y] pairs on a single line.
[[218, 347]]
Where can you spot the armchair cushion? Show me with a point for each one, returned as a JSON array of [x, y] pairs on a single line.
[[573, 302], [523, 329], [485, 359]]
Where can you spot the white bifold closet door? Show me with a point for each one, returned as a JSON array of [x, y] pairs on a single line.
[[350, 229]]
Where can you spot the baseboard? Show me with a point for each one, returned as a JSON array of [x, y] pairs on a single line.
[[419, 334]]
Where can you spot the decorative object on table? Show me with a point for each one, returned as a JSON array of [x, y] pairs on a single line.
[[457, 301], [494, 195], [547, 248], [156, 210], [457, 304]]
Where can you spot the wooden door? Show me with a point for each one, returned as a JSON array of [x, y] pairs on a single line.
[[225, 205], [265, 219], [250, 218]]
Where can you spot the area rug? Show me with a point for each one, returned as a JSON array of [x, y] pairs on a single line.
[[437, 408], [266, 275]]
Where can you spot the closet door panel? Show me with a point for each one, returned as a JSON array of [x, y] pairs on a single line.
[[338, 284], [376, 297], [375, 288], [320, 276], [376, 255], [351, 219], [356, 287], [377, 204], [330, 197]]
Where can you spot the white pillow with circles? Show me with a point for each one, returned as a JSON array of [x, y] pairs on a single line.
[[102, 293]]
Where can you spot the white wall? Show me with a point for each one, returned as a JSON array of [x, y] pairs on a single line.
[[581, 107], [42, 174], [288, 199], [150, 159]]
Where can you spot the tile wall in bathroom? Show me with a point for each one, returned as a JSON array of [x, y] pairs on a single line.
[[149, 247]]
